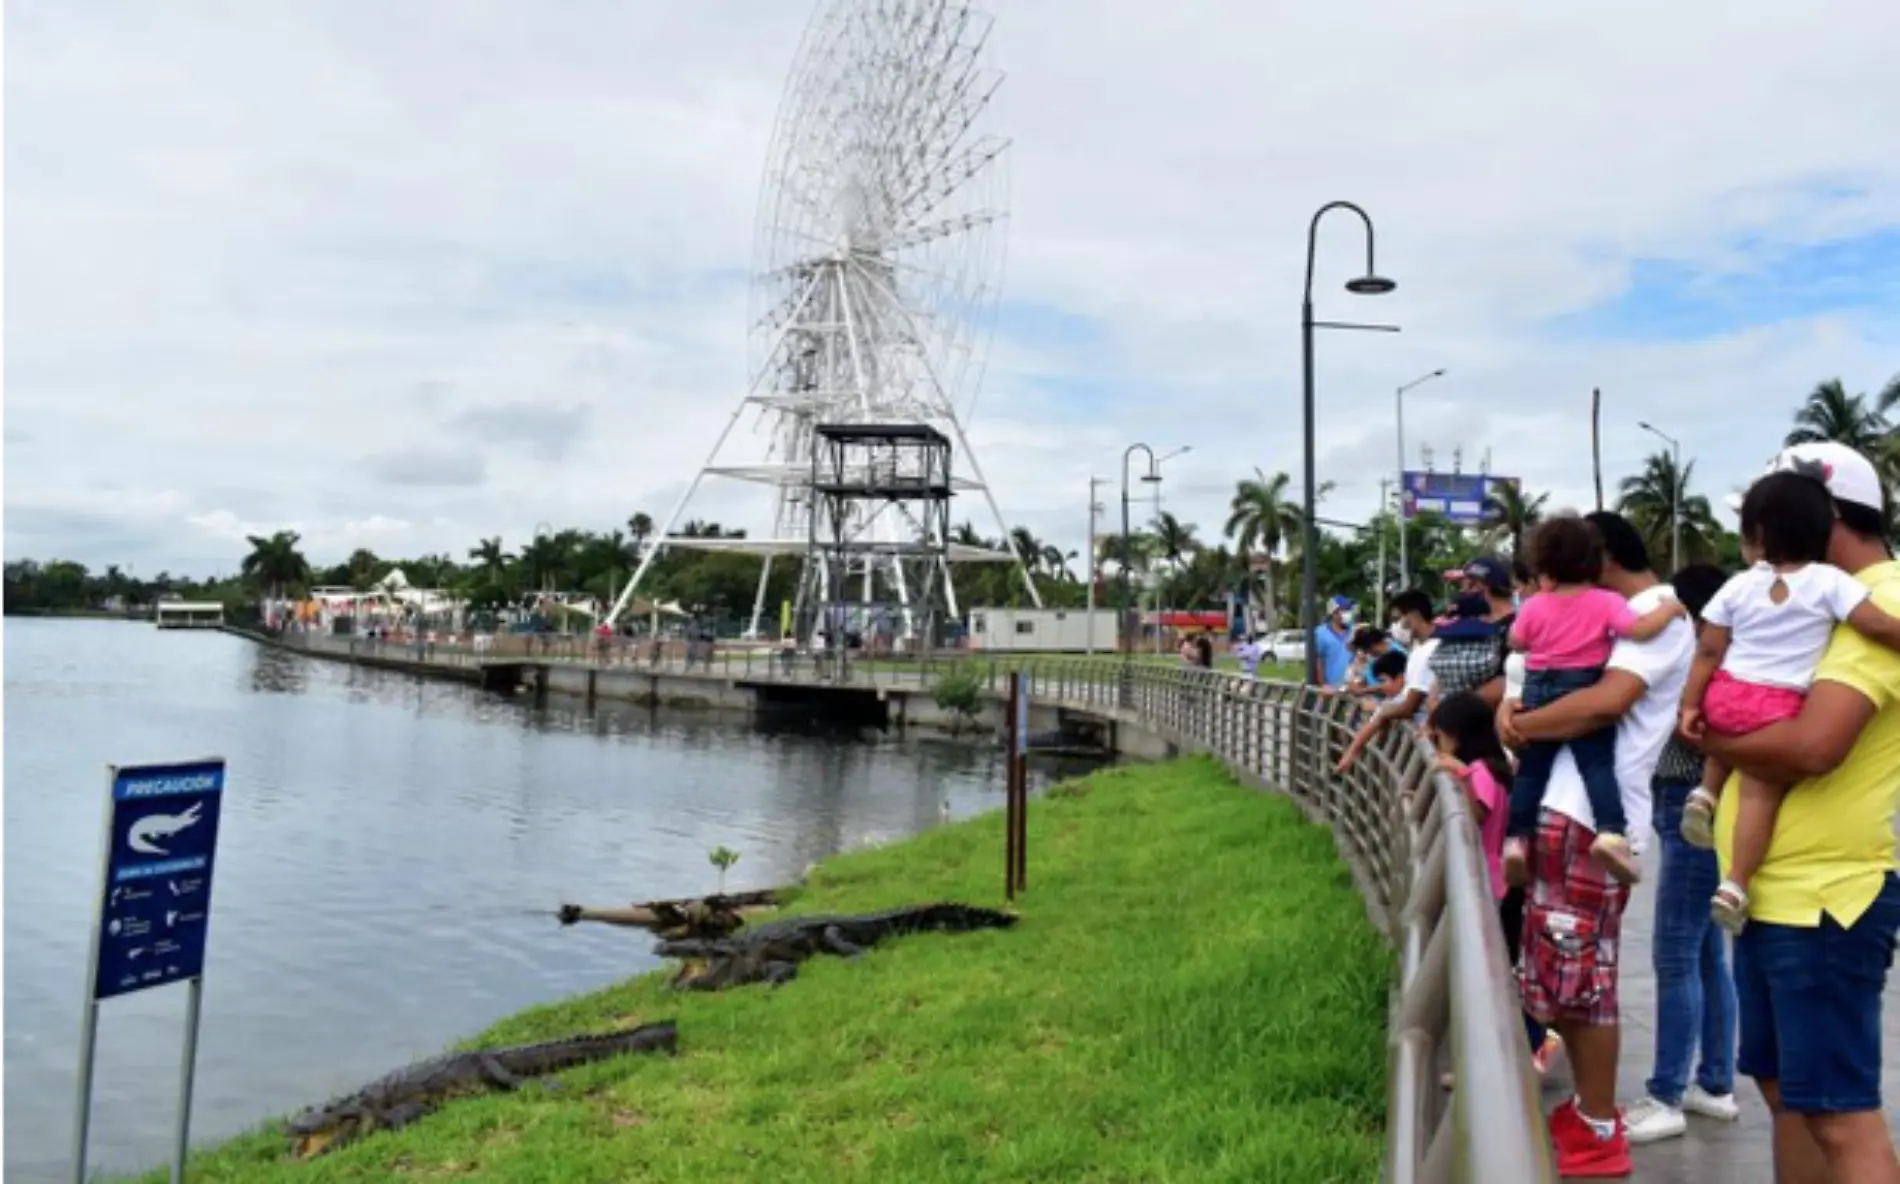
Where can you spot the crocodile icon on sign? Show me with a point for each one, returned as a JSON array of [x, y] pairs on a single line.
[[147, 832]]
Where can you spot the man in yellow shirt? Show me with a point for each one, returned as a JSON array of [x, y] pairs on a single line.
[[1813, 960]]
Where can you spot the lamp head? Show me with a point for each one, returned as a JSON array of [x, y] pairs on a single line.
[[1151, 477], [1370, 285]]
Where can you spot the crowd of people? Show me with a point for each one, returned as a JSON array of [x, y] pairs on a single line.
[[1748, 723]]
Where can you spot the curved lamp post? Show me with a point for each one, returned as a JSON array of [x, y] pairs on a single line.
[[1399, 403], [1153, 476], [1369, 284]]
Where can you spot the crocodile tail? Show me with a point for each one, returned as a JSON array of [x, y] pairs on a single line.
[[970, 916], [597, 1046], [660, 1033]]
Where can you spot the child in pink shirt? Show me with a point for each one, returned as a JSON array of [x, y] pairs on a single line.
[[1566, 632], [1463, 730]]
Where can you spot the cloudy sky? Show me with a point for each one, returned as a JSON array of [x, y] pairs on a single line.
[[400, 276]]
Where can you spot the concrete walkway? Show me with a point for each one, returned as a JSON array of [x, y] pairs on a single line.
[[1711, 1151]]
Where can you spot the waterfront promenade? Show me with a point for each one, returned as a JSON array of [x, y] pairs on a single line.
[[1198, 714]]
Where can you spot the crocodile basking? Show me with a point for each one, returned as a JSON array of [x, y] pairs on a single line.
[[411, 1092], [770, 953]]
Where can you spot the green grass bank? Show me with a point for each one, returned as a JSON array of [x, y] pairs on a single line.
[[1193, 994]]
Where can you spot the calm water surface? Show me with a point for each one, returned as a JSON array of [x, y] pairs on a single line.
[[382, 844]]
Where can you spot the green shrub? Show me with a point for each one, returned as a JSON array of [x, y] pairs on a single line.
[[960, 693]]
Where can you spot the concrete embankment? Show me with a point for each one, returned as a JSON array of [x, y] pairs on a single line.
[[757, 688]]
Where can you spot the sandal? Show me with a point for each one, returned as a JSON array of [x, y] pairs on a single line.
[[1698, 819], [1516, 863], [1729, 907], [1613, 852]]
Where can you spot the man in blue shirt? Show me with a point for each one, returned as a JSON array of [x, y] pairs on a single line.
[[1332, 642]]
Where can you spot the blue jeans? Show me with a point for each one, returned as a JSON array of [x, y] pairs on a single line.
[[1695, 994], [1595, 755], [1810, 1005]]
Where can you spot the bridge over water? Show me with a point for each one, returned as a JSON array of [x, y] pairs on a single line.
[[1408, 839]]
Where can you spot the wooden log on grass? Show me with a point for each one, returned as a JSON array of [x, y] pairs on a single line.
[[690, 917]]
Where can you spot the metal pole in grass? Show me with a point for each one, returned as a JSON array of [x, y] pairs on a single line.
[[1019, 773], [1009, 791]]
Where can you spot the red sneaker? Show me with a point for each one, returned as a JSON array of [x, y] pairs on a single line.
[[1565, 1115], [1582, 1153]]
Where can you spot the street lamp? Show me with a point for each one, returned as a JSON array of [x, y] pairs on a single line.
[[1675, 493], [1369, 284], [1159, 461], [1153, 476], [1095, 508], [1399, 402]]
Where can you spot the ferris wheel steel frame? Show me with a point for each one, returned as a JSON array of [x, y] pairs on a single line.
[[877, 251]]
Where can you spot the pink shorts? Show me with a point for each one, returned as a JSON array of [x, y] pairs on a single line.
[[1736, 708]]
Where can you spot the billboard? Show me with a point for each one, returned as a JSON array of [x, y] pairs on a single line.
[[1458, 496]]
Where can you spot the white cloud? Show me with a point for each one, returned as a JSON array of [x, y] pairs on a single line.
[[306, 266]]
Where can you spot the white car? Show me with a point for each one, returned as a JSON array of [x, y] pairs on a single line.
[[1288, 645]]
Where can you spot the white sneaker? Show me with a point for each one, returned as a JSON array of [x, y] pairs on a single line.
[[1648, 1120], [1708, 1105]]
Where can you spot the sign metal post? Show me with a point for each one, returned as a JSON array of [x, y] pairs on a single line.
[[1021, 762], [1016, 788], [153, 914], [1009, 789]]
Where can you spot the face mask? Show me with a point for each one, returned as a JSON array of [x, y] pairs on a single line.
[[1401, 634]]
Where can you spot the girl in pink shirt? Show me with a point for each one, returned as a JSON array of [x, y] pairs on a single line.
[[1566, 632], [1465, 732]]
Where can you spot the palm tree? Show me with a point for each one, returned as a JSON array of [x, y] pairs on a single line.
[[611, 555], [1027, 547], [1056, 562], [1830, 413], [543, 562], [275, 562], [1174, 538], [492, 558], [1261, 519], [363, 564], [1645, 499], [640, 526], [1507, 514]]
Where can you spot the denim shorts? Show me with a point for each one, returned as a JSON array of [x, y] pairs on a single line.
[[1809, 998]]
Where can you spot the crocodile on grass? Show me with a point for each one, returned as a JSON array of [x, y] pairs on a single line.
[[770, 953], [409, 1093]]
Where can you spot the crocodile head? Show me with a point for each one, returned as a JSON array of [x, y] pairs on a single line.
[[325, 1128]]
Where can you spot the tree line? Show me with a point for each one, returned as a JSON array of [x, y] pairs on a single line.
[[1257, 553]]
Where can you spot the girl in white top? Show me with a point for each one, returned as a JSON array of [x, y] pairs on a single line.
[[1764, 634]]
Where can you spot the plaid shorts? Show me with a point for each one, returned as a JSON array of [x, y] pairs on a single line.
[[1573, 926]]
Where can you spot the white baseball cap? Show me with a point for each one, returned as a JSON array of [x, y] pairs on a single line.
[[1849, 476]]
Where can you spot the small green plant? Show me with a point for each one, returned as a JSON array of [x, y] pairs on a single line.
[[722, 857], [960, 693]]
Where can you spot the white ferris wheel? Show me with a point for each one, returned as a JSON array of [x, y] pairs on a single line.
[[876, 267]]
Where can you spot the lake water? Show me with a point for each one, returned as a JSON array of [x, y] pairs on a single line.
[[382, 845]]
